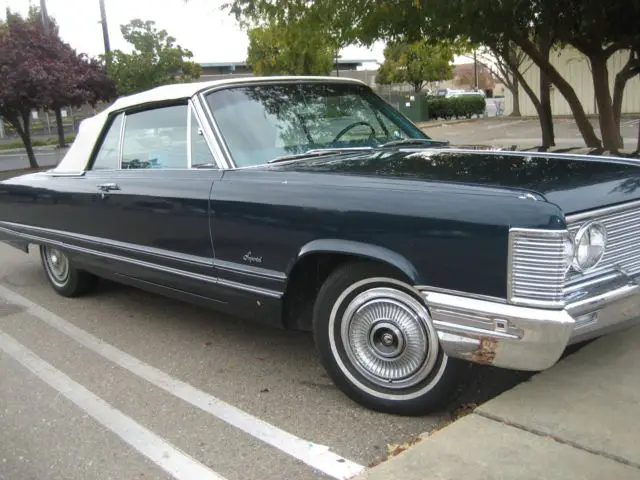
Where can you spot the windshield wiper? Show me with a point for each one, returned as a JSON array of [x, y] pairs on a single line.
[[415, 141], [317, 153]]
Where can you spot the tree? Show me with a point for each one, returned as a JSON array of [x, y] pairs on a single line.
[[294, 48], [485, 78], [508, 63], [38, 70], [416, 63], [70, 91], [156, 59], [597, 29]]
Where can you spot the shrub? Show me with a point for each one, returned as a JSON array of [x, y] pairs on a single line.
[[36, 142], [456, 107]]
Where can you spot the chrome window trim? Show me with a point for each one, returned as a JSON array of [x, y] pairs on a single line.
[[188, 135], [207, 134], [121, 141], [231, 165], [213, 132], [124, 114], [511, 298]]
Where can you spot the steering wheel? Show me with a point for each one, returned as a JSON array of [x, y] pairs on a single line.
[[355, 124]]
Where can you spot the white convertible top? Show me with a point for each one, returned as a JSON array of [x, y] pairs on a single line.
[[76, 158]]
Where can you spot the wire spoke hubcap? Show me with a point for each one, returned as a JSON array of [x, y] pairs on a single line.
[[389, 339], [57, 265]]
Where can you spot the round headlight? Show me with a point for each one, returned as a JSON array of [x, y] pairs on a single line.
[[590, 243]]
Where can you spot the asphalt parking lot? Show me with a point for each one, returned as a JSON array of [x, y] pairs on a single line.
[[506, 131], [123, 384]]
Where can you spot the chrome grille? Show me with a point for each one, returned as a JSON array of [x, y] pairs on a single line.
[[623, 239], [537, 269]]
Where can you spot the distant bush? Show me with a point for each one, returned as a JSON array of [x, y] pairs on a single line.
[[456, 107], [36, 142]]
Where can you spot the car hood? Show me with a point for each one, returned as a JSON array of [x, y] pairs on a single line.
[[574, 183]]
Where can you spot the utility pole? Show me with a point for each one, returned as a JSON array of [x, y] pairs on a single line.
[[475, 70], [57, 110], [105, 29], [45, 16]]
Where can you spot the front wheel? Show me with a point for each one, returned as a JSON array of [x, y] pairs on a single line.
[[378, 343], [63, 276]]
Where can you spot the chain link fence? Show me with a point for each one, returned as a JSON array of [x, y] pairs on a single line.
[[43, 124]]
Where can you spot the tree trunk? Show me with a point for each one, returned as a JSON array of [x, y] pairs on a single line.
[[60, 126], [600, 73], [631, 69], [584, 126], [546, 113], [515, 93], [24, 130], [536, 103]]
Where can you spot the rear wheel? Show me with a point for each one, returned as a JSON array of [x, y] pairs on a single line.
[[378, 343], [63, 276]]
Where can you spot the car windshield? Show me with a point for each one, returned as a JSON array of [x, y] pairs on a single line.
[[261, 122]]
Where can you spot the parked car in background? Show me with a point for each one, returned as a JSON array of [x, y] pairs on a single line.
[[466, 93], [309, 203]]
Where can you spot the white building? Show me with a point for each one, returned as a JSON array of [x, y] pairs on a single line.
[[575, 68]]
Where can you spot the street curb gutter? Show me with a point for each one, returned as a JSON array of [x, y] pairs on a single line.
[[562, 423]]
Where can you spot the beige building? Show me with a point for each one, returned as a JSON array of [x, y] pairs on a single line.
[[575, 68]]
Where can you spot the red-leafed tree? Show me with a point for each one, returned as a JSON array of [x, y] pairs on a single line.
[[38, 70]]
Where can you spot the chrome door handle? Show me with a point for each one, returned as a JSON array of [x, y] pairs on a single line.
[[107, 187]]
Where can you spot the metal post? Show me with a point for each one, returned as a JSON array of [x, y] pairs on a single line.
[[105, 29], [45, 16]]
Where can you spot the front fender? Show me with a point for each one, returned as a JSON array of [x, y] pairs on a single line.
[[360, 249]]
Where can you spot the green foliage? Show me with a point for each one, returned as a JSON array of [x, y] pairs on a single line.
[[156, 59], [456, 107], [40, 71], [290, 49], [44, 142], [416, 63]]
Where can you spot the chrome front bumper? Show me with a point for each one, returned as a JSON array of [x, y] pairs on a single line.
[[525, 338]]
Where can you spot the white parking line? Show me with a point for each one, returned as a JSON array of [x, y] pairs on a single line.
[[162, 453], [317, 456], [630, 123]]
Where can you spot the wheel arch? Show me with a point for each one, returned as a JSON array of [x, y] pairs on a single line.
[[317, 260], [363, 250]]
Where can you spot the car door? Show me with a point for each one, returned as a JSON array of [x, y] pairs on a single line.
[[151, 207]]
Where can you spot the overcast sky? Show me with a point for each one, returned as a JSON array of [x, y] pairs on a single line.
[[199, 25]]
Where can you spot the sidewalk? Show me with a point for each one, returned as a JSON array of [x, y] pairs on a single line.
[[578, 420]]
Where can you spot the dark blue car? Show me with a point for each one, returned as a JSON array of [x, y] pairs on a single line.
[[309, 203]]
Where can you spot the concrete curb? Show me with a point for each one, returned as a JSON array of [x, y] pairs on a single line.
[[435, 124], [571, 421]]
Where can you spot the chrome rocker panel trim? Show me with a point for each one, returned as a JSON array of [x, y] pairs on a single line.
[[532, 339]]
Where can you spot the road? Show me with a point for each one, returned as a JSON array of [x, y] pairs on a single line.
[[16, 160], [125, 384], [523, 132]]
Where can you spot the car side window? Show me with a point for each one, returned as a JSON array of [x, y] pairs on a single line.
[[200, 152], [156, 138], [108, 156]]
